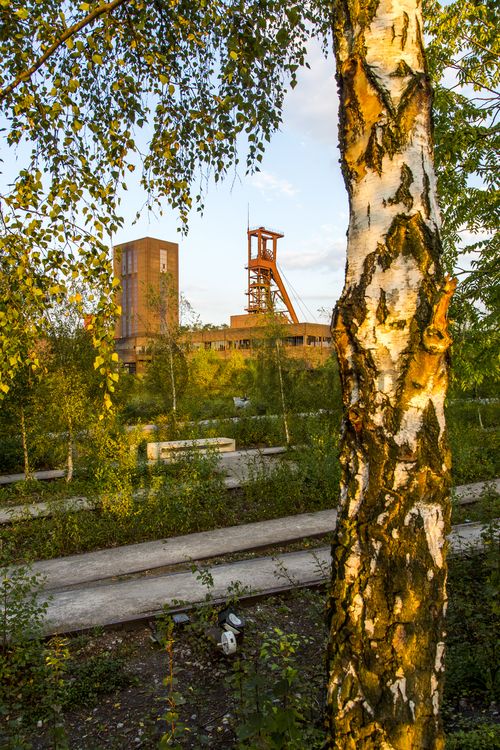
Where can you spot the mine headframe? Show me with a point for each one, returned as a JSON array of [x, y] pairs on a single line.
[[266, 291]]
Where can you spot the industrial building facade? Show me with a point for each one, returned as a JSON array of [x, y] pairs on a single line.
[[148, 270], [248, 334]]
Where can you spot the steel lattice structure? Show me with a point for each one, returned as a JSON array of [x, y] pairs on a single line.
[[266, 291]]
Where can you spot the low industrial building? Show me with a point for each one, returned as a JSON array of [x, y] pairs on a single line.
[[148, 270]]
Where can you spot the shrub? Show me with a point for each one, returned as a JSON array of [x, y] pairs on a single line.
[[486, 736]]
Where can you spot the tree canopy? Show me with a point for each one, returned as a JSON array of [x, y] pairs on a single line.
[[464, 55], [90, 92]]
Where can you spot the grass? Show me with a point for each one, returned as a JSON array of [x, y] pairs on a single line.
[[173, 499], [136, 502], [112, 681]]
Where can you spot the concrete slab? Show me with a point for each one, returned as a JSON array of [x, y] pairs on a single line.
[[134, 558], [141, 598], [467, 535], [467, 494], [49, 474], [79, 609], [238, 465], [12, 513], [168, 450], [59, 473], [242, 466]]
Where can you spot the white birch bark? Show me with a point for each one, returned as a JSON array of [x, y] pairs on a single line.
[[388, 592]]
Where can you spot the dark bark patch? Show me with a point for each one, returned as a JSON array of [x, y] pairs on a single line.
[[402, 70], [403, 194], [423, 313], [412, 237], [404, 33], [426, 202], [382, 309], [384, 257], [429, 454], [374, 153]]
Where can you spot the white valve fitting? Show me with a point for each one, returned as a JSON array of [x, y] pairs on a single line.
[[228, 642]]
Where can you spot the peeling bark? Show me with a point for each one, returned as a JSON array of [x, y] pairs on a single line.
[[387, 599]]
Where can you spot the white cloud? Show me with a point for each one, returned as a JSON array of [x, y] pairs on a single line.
[[272, 186], [325, 249]]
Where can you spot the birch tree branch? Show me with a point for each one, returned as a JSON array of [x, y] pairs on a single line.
[[74, 29]]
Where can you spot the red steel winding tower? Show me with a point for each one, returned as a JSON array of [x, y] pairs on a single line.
[[266, 291]]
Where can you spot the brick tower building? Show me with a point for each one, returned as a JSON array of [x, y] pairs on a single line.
[[148, 270]]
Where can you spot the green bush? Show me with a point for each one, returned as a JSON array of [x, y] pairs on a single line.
[[276, 708], [87, 680], [483, 737], [472, 664], [23, 669]]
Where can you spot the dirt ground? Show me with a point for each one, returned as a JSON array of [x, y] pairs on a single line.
[[129, 715], [116, 696]]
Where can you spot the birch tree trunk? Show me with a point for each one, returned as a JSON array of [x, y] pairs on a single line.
[[387, 598], [24, 439], [172, 374], [278, 346], [69, 459]]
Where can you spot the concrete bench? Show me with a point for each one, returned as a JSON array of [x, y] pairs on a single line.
[[168, 450]]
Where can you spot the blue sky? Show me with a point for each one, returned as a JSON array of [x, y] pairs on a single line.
[[298, 191]]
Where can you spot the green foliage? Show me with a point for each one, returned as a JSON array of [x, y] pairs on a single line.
[[472, 672], [22, 656], [90, 89], [85, 681], [476, 340], [463, 43], [481, 737], [463, 48], [174, 728], [274, 708], [58, 402], [475, 457], [56, 661], [22, 614], [110, 461]]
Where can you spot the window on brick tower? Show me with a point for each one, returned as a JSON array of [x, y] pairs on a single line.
[[163, 261]]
